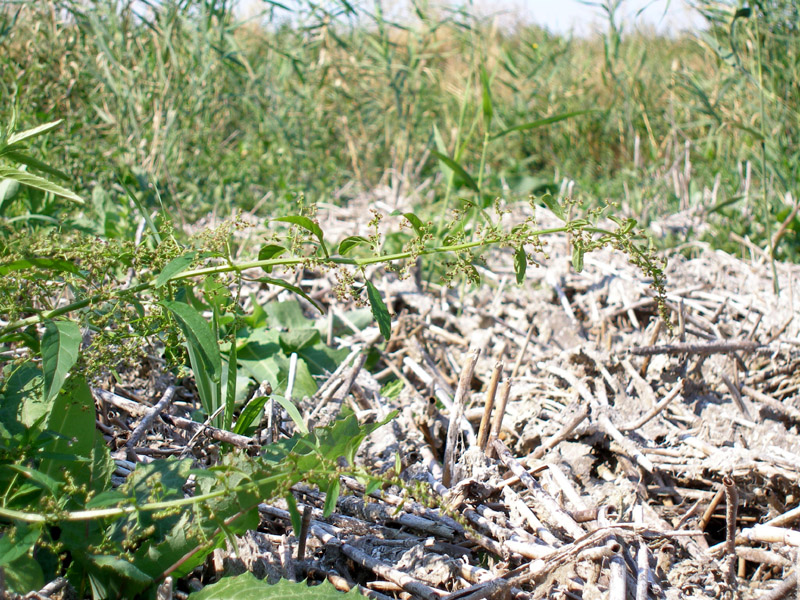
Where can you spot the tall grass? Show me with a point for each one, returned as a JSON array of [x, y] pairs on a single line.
[[322, 104]]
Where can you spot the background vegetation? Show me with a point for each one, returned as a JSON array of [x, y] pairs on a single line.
[[170, 111], [198, 111]]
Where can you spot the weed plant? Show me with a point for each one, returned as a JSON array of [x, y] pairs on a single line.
[[178, 109], [195, 110]]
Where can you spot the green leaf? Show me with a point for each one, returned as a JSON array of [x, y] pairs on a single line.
[[465, 177], [331, 496], [39, 183], [416, 223], [577, 258], [50, 264], [379, 311], [294, 514], [61, 342], [204, 353], [447, 172], [247, 587], [21, 136], [520, 264], [72, 420], [294, 414], [486, 98], [351, 242], [17, 541], [292, 288], [230, 386], [268, 252], [554, 206], [307, 224], [249, 414], [35, 163], [173, 267], [542, 122]]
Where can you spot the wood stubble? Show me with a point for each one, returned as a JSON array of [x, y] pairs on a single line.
[[630, 460]]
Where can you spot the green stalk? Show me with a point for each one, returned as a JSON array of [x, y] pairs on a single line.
[[275, 262], [764, 200]]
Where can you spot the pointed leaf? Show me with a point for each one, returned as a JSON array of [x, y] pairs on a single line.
[[331, 496], [247, 587], [269, 251], [249, 414], [379, 311], [294, 414], [39, 183], [294, 514], [542, 122], [554, 206], [307, 224], [55, 264], [351, 242], [577, 258], [61, 342], [32, 132], [230, 386], [520, 264], [173, 267], [292, 288], [486, 98], [416, 223], [465, 177], [35, 163]]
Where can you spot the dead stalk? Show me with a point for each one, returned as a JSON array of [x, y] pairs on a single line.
[[483, 431]]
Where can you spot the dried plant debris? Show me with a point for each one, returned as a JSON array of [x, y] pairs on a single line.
[[620, 457]]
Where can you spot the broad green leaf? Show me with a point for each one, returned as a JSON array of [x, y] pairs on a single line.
[[39, 479], [21, 136], [61, 342], [295, 340], [50, 264], [173, 267], [554, 206], [24, 575], [465, 177], [17, 541], [486, 98], [379, 311], [520, 264], [122, 567], [307, 224], [72, 420], [542, 122], [351, 242], [247, 587], [268, 252], [39, 183]]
